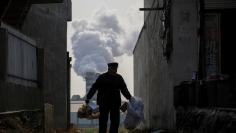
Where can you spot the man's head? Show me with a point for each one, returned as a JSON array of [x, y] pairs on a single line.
[[112, 67]]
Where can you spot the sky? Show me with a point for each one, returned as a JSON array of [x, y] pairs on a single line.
[[102, 31]]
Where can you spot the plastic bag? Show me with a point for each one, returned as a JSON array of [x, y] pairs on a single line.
[[83, 111], [124, 107], [94, 111], [134, 113], [90, 111]]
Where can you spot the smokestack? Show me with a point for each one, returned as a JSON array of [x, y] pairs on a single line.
[[90, 78]]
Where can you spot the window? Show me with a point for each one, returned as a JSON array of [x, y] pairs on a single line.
[[21, 58]]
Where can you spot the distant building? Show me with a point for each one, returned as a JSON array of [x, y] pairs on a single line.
[[76, 98]]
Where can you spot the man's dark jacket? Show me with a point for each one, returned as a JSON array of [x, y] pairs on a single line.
[[109, 87]]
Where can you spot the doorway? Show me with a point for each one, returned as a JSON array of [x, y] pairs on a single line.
[[219, 49]]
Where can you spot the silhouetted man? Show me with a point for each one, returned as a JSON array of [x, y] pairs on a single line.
[[109, 85]]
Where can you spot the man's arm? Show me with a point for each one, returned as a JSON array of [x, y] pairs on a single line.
[[92, 90], [124, 89]]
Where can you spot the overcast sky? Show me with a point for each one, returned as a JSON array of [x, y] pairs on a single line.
[[102, 31]]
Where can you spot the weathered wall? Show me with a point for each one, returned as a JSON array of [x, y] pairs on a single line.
[[17, 97], [154, 76], [185, 40], [220, 4], [47, 25], [141, 72]]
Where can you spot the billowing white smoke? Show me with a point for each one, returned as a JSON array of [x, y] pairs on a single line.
[[96, 42]]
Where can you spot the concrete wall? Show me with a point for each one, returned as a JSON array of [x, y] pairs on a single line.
[[17, 97], [220, 4], [47, 25], [185, 40], [154, 76]]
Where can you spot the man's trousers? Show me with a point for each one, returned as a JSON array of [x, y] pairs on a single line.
[[114, 118]]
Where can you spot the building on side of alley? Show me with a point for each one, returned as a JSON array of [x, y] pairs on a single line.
[[185, 44], [34, 62]]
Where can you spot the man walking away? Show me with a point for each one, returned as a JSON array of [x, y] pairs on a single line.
[[109, 85]]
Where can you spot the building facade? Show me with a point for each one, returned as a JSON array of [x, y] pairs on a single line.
[[183, 40], [34, 58]]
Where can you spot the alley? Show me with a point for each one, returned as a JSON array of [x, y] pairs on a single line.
[[172, 58]]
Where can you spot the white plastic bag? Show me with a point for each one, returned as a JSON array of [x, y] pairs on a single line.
[[134, 113]]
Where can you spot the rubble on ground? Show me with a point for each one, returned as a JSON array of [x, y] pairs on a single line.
[[206, 121], [24, 122], [18, 125]]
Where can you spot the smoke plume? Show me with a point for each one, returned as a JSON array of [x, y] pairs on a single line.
[[96, 42]]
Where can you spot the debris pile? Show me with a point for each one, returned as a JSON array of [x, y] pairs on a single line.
[[206, 121], [25, 122]]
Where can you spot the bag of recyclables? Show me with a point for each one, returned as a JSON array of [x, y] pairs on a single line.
[[135, 113], [90, 111]]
